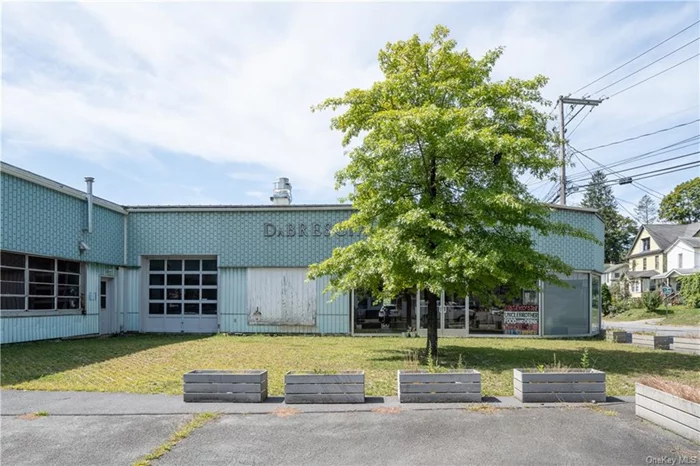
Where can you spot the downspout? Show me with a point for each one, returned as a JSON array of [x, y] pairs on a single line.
[[89, 180]]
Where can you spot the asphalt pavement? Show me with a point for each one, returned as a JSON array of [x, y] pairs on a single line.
[[651, 326], [118, 429]]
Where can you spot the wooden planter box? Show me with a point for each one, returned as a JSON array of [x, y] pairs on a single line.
[[652, 341], [577, 385], [617, 336], [309, 387], [669, 411], [458, 386], [216, 386], [686, 345]]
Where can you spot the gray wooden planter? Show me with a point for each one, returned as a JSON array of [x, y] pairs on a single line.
[[616, 336], [577, 385], [652, 341], [686, 345], [309, 387], [669, 411], [458, 386], [216, 386]]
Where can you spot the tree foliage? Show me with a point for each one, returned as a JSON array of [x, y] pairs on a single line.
[[651, 300], [682, 205], [619, 230], [646, 210], [606, 298], [437, 196], [690, 289]]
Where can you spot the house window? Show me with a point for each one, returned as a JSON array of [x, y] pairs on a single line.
[[617, 274], [32, 283], [646, 244], [680, 261], [656, 262], [644, 263]]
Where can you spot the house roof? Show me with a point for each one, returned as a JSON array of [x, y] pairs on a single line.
[[642, 274], [646, 253], [676, 272], [614, 267], [694, 242], [664, 235]]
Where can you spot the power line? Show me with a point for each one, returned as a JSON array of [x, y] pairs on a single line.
[[649, 174], [642, 135], [647, 66], [653, 163], [582, 120], [653, 153], [652, 76], [572, 118], [638, 56], [646, 190]]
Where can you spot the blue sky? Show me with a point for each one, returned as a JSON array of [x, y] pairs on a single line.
[[187, 103]]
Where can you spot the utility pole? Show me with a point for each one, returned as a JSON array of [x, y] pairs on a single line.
[[562, 136]]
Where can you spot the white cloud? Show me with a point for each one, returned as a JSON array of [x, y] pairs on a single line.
[[234, 82]]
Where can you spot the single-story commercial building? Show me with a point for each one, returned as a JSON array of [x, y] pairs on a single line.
[[74, 264]]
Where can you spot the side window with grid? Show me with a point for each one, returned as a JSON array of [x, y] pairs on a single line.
[[33, 283], [182, 287]]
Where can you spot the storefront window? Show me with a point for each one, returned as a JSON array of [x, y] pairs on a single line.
[[566, 310], [595, 303], [503, 313], [389, 316]]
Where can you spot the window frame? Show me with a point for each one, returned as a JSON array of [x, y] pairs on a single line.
[[55, 284], [646, 244], [680, 260]]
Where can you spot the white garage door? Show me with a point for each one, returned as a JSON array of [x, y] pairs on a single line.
[[182, 295], [281, 296]]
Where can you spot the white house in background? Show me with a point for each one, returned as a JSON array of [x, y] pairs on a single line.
[[651, 263], [613, 273], [682, 258]]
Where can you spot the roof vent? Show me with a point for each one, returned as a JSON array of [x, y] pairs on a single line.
[[281, 192]]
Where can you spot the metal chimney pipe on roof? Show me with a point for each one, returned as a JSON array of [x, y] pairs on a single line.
[[89, 180], [281, 192]]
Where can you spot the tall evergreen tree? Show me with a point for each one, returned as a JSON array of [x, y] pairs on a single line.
[[619, 230], [646, 210]]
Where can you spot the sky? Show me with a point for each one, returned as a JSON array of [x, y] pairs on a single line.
[[207, 103]]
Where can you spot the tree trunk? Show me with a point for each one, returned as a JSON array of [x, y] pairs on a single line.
[[432, 343], [409, 318]]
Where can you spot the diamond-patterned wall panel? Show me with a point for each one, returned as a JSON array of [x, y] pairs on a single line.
[[39, 220]]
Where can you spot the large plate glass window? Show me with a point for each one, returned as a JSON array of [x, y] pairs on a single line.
[[388, 316], [38, 283], [567, 310], [595, 303], [505, 311]]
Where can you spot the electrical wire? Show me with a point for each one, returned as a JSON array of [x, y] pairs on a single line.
[[653, 163], [642, 135], [582, 120], [649, 174], [638, 56], [647, 66], [652, 76]]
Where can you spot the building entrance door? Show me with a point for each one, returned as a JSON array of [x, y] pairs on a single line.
[[453, 316], [108, 315]]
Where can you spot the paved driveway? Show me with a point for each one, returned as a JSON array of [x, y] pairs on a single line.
[[89, 429]]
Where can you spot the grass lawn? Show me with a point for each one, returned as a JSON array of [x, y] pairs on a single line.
[[677, 315], [155, 363]]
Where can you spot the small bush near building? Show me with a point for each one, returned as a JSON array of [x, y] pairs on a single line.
[[607, 299], [635, 303], [651, 300], [690, 289]]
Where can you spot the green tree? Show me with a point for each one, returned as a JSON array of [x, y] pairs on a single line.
[[606, 298], [682, 205], [437, 196], [619, 230], [646, 210]]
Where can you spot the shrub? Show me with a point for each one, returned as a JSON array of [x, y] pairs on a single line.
[[635, 303], [607, 299], [651, 300], [690, 289]]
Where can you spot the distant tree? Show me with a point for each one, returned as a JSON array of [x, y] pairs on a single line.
[[607, 299], [619, 230], [682, 205], [646, 210]]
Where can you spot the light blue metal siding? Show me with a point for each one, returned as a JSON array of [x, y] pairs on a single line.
[[39, 220], [237, 237], [331, 317], [19, 329], [131, 298], [581, 254]]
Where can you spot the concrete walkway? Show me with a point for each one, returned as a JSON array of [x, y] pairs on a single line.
[[115, 428], [649, 325]]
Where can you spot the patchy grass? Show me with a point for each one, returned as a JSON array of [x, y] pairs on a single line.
[[387, 410], [481, 408], [32, 416], [285, 412], [602, 410], [182, 433], [687, 392], [677, 315], [155, 363]]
